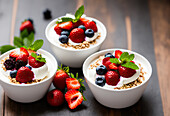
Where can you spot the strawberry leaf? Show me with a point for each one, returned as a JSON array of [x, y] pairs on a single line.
[[130, 65], [114, 60], [79, 12]]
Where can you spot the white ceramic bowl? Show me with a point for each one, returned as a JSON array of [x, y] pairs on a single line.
[[74, 57], [117, 98], [27, 93]]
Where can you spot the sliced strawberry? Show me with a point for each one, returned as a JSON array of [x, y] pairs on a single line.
[[57, 29], [23, 58], [27, 25], [113, 66], [72, 83], [77, 35], [118, 53], [35, 64], [106, 62], [24, 75], [126, 72], [66, 25], [18, 52], [91, 25], [84, 21], [74, 98], [112, 78]]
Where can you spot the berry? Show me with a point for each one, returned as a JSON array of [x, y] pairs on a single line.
[[89, 33], [72, 83], [101, 70], [23, 58], [16, 53], [100, 81], [29, 67], [9, 64], [35, 64], [19, 64], [57, 29], [82, 27], [59, 80], [112, 78], [13, 73], [132, 62], [74, 98], [109, 55], [106, 62], [126, 72], [118, 53], [30, 20], [63, 39], [91, 25], [75, 25], [84, 21], [47, 14], [55, 97], [113, 66], [67, 33], [24, 74], [27, 25], [66, 25], [77, 35]]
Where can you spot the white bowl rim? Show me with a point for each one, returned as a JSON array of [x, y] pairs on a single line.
[[115, 90], [99, 22], [33, 84]]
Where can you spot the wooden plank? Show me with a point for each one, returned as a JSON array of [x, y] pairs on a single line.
[[160, 11]]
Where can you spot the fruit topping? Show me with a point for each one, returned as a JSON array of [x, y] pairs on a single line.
[[27, 25], [67, 33], [66, 25], [113, 66], [91, 25], [30, 20], [47, 14], [9, 64], [19, 64], [84, 20], [77, 35], [118, 53], [101, 70], [74, 98], [106, 62], [100, 81], [109, 55], [112, 78], [72, 83], [23, 58], [55, 97], [29, 67], [82, 27], [57, 29], [89, 33], [63, 39], [24, 75], [16, 53], [13, 73], [126, 72]]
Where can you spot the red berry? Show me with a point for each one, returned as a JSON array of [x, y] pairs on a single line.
[[72, 83], [57, 29], [132, 62], [118, 53], [74, 98], [55, 97], [126, 72], [78, 23], [112, 78], [66, 25], [23, 58], [91, 25], [18, 52], [106, 62], [24, 74], [59, 80], [77, 35], [35, 64], [84, 21], [27, 25], [113, 66]]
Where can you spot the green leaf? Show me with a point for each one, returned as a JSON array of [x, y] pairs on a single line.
[[6, 48], [114, 60], [38, 57], [79, 12], [64, 19], [24, 33], [33, 55], [26, 42], [124, 56], [18, 42], [37, 45], [31, 37], [130, 65], [131, 57]]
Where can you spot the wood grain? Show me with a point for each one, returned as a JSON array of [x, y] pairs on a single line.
[[160, 17]]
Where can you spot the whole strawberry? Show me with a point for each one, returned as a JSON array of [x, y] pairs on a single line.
[[91, 25], [27, 25], [112, 78], [77, 35], [55, 97], [57, 29], [126, 72]]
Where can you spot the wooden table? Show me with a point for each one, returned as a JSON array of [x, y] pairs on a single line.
[[142, 26]]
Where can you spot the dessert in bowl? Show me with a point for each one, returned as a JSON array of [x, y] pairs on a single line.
[[24, 78], [72, 42], [117, 77]]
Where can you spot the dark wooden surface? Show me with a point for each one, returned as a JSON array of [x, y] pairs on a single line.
[[113, 14]]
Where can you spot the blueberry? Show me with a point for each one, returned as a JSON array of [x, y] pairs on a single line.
[[63, 39], [47, 14], [13, 73], [67, 33], [101, 70], [9, 64], [30, 20], [100, 81], [29, 67], [109, 55], [82, 27], [89, 33], [19, 64]]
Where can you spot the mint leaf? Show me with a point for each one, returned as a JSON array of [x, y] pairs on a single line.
[[114, 60], [130, 65], [6, 48], [131, 57], [124, 56], [31, 37], [79, 12], [38, 57], [26, 42], [36, 45], [64, 19], [24, 33], [18, 42]]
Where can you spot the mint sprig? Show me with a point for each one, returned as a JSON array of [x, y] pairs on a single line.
[[77, 15], [38, 57]]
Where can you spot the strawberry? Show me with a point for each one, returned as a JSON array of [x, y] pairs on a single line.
[[23, 58], [112, 78], [132, 62], [24, 75], [91, 25], [57, 29], [118, 53], [72, 83], [18, 52], [76, 24], [31, 51], [113, 66], [84, 21], [59, 80], [27, 25], [77, 35], [106, 62], [66, 25], [74, 98], [55, 97], [35, 64], [126, 72]]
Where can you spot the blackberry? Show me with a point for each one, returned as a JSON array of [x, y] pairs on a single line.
[[9, 64], [47, 14], [19, 64]]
